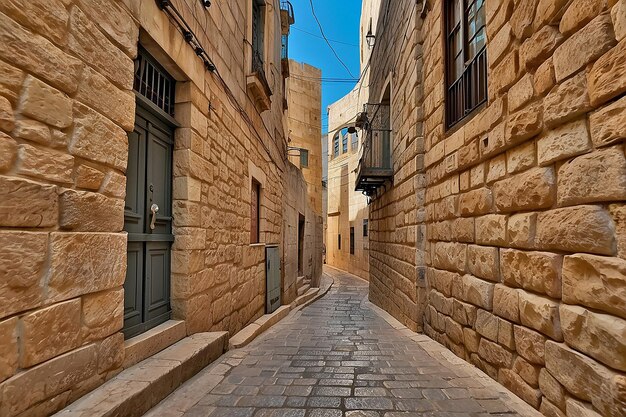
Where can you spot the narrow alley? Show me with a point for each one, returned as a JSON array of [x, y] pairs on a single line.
[[340, 357]]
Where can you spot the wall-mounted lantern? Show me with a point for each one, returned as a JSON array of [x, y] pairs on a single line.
[[370, 38]]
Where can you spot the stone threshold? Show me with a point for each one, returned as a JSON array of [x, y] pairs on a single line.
[[253, 330], [140, 387]]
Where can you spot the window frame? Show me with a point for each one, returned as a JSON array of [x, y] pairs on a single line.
[[336, 145], [365, 227], [255, 211], [351, 240], [339, 241], [304, 158], [258, 29], [468, 91], [344, 143]]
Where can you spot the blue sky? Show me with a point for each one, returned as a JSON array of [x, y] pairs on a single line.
[[340, 21]]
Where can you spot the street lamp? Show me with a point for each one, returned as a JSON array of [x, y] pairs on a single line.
[[370, 38]]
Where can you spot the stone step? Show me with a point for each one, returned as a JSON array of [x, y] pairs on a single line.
[[140, 387], [303, 289]]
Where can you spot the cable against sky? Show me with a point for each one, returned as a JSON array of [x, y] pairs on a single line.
[[326, 39], [319, 37]]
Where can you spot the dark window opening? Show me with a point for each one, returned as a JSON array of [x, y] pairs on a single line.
[[258, 35], [339, 242], [466, 58], [355, 142], [301, 224], [255, 212], [304, 158], [352, 241], [365, 226]]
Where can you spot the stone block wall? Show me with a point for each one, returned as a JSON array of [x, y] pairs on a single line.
[[66, 105], [396, 213], [526, 230], [524, 243]]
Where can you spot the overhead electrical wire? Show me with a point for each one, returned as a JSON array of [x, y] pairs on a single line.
[[326, 39], [319, 37]]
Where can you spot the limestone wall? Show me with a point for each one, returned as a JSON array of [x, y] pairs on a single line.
[[397, 241], [524, 208], [346, 207], [66, 105]]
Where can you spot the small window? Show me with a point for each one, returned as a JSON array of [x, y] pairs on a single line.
[[304, 158], [352, 241], [466, 58], [258, 35], [344, 143], [365, 225], [255, 212], [355, 142], [339, 241], [336, 145]]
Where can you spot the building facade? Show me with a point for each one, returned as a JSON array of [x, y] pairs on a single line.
[[347, 232], [499, 230], [144, 175]]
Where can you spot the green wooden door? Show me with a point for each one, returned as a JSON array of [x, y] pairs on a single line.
[[148, 221]]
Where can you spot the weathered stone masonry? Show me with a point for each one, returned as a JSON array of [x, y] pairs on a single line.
[[525, 240], [66, 105]]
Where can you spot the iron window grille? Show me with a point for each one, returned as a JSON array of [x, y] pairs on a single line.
[[336, 145], [258, 28], [153, 82], [365, 226], [344, 143], [466, 58], [352, 241]]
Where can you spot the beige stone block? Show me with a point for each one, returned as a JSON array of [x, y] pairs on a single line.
[[552, 389], [11, 79], [88, 177], [103, 314], [529, 190], [577, 408], [495, 141], [566, 101], [491, 230], [187, 188], [474, 291], [544, 78], [8, 348], [114, 185], [584, 47], [600, 336], [45, 164], [38, 55], [594, 177], [87, 211], [541, 314], [83, 263], [7, 118], [45, 103], [506, 303], [521, 157], [496, 168], [487, 325], [494, 354], [27, 204], [22, 258], [8, 152], [48, 379], [525, 124], [576, 229], [618, 212], [463, 313], [549, 12], [505, 334], [101, 95], [483, 262], [539, 47], [463, 229], [579, 13], [477, 175], [33, 131], [528, 371], [563, 142], [607, 77], [618, 15], [521, 230], [529, 344], [471, 339], [607, 124], [189, 238], [520, 93], [511, 380], [48, 18], [504, 74], [97, 139], [107, 58], [522, 18], [595, 281], [497, 15], [441, 280], [534, 271], [454, 330], [442, 304], [111, 353], [584, 378], [499, 44], [550, 410], [49, 332], [186, 213]]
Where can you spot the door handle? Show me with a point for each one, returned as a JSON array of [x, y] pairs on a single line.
[[154, 209]]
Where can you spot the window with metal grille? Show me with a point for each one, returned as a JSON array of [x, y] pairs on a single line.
[[153, 82], [258, 35], [336, 145], [354, 146], [466, 58], [365, 226], [344, 142], [352, 241]]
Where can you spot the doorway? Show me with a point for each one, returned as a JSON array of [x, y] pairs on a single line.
[[301, 224]]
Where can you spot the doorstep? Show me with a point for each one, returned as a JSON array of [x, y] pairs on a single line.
[[143, 385]]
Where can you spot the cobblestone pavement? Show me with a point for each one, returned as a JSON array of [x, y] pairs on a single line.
[[340, 357]]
